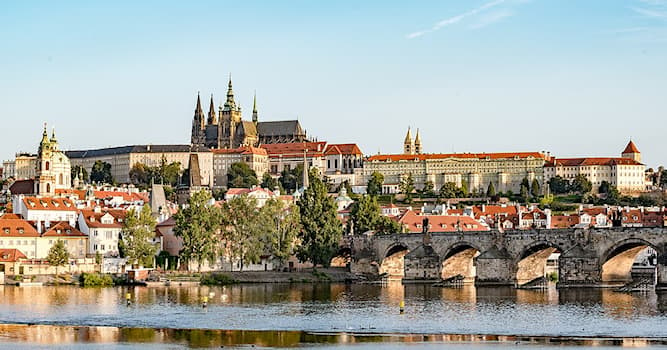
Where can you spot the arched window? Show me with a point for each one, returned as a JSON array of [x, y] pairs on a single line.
[[48, 186], [46, 166], [60, 180]]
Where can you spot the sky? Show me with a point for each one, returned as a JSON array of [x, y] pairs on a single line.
[[576, 78]]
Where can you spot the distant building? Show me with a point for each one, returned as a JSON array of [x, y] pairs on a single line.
[[23, 167], [255, 157], [103, 227], [625, 173]]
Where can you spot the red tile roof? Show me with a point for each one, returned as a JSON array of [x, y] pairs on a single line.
[[296, 149], [440, 223], [93, 219], [48, 203], [17, 228], [343, 148], [63, 229], [11, 255], [23, 187], [564, 221], [591, 161], [10, 216], [631, 148], [422, 157]]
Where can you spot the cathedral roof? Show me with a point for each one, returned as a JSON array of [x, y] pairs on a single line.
[[631, 148], [280, 127], [136, 149], [249, 128]]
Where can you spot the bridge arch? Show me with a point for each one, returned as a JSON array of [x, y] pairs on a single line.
[[393, 262], [533, 262], [342, 258], [458, 259], [617, 261]]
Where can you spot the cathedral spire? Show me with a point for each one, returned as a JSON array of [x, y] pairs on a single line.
[[45, 135], [255, 118], [211, 113], [408, 144], [418, 143], [230, 104], [198, 109]]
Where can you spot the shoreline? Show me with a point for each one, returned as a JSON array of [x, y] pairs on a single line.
[[49, 334]]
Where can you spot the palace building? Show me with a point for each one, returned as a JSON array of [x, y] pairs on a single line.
[[227, 129]]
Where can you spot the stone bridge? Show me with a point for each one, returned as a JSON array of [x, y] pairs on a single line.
[[588, 257]]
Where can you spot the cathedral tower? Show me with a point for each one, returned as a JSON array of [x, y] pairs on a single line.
[[53, 166], [198, 125], [408, 145], [230, 118], [212, 118], [418, 143], [255, 118]]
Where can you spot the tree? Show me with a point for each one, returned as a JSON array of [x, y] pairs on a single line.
[[386, 225], [270, 183], [101, 172], [241, 175], [197, 225], [291, 180], [140, 174], [449, 190], [407, 185], [167, 173], [322, 231], [138, 230], [604, 187], [491, 190], [524, 193], [242, 230], [613, 196], [558, 185], [464, 188], [581, 184], [282, 225], [80, 171], [535, 188], [58, 255], [428, 189], [374, 186], [366, 216]]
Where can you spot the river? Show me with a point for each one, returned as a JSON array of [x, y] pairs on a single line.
[[339, 308]]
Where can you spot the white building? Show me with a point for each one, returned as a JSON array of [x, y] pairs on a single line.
[[103, 228], [45, 209]]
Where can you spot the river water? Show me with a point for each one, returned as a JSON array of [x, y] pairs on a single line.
[[340, 308]]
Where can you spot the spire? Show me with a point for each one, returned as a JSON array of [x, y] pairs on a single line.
[[418, 143], [305, 168], [53, 134], [198, 109], [230, 104], [45, 135], [255, 118], [408, 144], [408, 137], [211, 113]]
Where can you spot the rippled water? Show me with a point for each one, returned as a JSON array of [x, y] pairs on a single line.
[[352, 308]]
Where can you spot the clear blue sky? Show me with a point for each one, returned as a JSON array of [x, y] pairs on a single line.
[[576, 78]]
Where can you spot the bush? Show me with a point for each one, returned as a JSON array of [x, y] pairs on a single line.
[[95, 280], [216, 279], [321, 276], [552, 276]]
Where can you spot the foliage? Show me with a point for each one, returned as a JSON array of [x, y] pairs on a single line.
[[95, 280], [282, 224], [166, 173], [101, 172], [138, 230], [366, 216], [270, 183], [523, 193], [580, 184], [243, 230], [292, 179], [604, 187], [428, 189], [78, 169], [322, 230], [450, 190], [198, 224], [98, 258], [552, 276], [547, 200], [535, 188], [558, 185], [374, 186], [240, 175], [58, 255], [491, 190], [464, 188], [386, 225], [216, 279], [407, 185]]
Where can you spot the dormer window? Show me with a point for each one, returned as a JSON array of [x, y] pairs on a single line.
[[44, 204], [6, 229], [56, 204], [58, 231], [68, 231], [21, 230], [67, 204]]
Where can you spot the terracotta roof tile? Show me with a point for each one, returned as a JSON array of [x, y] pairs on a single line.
[[11, 255], [63, 229], [422, 157], [631, 148], [49, 203], [17, 228]]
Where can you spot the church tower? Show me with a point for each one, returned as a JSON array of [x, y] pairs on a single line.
[[632, 152], [212, 117], [53, 166], [230, 117], [408, 145], [255, 118], [198, 125], [418, 143]]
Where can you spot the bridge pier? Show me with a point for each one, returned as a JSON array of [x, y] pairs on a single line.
[[661, 272], [494, 267], [579, 267]]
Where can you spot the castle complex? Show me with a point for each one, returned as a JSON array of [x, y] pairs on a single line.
[[227, 129]]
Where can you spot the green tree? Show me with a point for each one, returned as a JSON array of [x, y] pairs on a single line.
[[283, 224], [138, 230], [366, 216], [535, 188], [449, 190], [270, 183], [581, 184], [243, 230], [428, 189], [407, 185], [79, 170], [374, 186], [490, 190], [604, 187], [241, 175], [322, 231], [167, 173], [524, 193], [386, 225], [101, 172], [58, 255], [464, 188], [197, 225], [613, 196], [558, 185], [292, 179], [140, 174]]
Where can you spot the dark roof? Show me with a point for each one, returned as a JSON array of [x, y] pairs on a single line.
[[248, 128], [280, 128], [135, 149], [23, 187]]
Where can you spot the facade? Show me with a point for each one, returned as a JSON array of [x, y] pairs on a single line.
[[342, 158], [123, 158], [287, 156], [256, 158], [103, 228], [505, 170], [625, 173], [227, 129], [53, 169], [35, 243], [23, 167], [45, 210]]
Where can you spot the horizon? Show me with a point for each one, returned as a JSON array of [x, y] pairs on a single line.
[[504, 75]]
